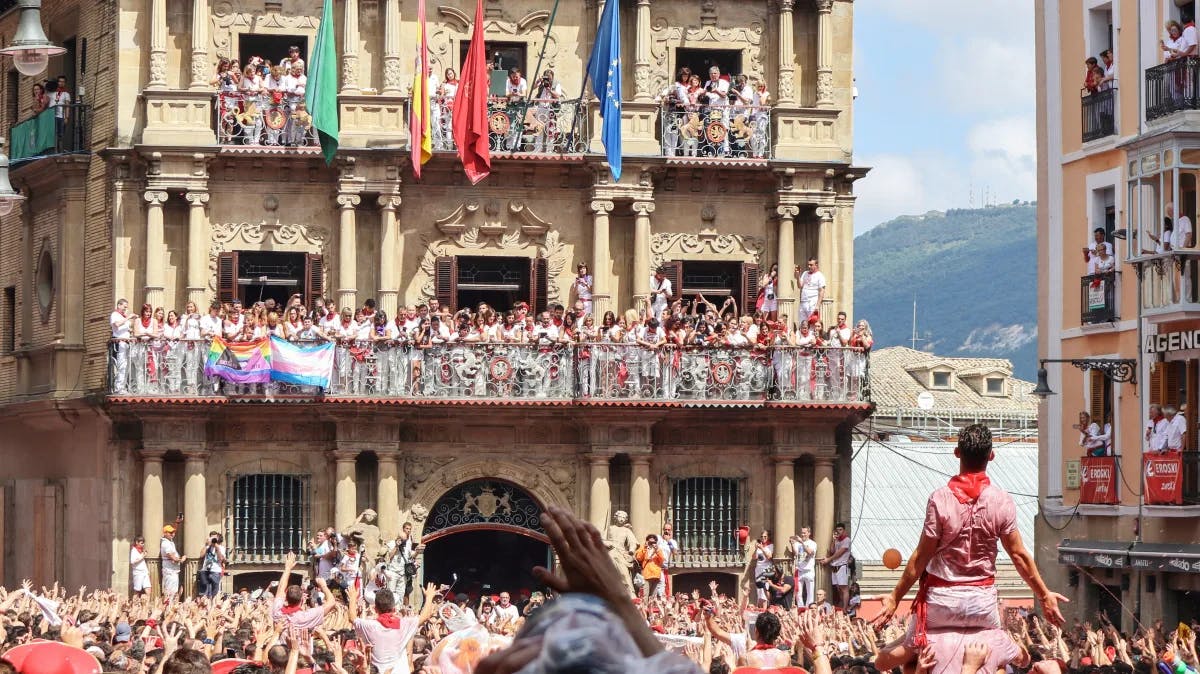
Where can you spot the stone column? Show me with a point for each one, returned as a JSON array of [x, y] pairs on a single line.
[[823, 511], [601, 262], [350, 48], [786, 292], [639, 496], [195, 503], [787, 59], [393, 80], [825, 257], [824, 53], [197, 255], [154, 247], [389, 255], [641, 253], [345, 489], [347, 252], [388, 493], [158, 46], [785, 503], [599, 503], [641, 60], [152, 499], [202, 71]]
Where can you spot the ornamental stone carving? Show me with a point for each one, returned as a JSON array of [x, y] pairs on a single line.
[[667, 34], [786, 87], [824, 86], [299, 237], [158, 69], [668, 245], [231, 18], [393, 75], [452, 25]]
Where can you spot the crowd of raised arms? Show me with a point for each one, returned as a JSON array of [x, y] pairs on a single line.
[[285, 628]]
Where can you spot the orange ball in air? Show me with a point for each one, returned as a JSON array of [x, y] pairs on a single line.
[[891, 558]]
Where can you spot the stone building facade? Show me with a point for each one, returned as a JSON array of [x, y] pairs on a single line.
[[176, 195]]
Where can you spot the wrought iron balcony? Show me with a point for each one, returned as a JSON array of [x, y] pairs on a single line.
[[487, 372], [1098, 298], [1099, 112], [717, 131], [1172, 86], [540, 126], [59, 129], [264, 119]]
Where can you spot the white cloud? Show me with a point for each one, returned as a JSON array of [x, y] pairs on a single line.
[[898, 185], [1004, 154]]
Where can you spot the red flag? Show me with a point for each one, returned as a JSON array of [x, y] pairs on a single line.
[[470, 107]]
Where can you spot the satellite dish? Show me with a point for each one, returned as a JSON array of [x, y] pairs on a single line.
[[925, 400]]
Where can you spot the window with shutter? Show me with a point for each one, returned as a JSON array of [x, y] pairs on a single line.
[[673, 272], [1099, 386], [227, 282], [1155, 388], [314, 278], [749, 288], [446, 281], [537, 284], [1173, 379]]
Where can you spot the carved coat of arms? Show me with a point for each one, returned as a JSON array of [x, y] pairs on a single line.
[[487, 503]]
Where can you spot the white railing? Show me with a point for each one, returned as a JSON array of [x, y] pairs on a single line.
[[1169, 280], [488, 371], [274, 119], [721, 131]]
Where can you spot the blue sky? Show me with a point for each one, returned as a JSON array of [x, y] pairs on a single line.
[[945, 103]]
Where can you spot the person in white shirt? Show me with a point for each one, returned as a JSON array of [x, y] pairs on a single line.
[[1156, 430], [389, 633], [292, 60], [661, 293], [1181, 239], [505, 612], [515, 88], [211, 325], [1176, 428], [669, 547], [1090, 437], [1110, 70], [812, 290], [804, 555], [171, 562], [60, 100], [139, 571], [546, 332], [122, 325], [213, 565]]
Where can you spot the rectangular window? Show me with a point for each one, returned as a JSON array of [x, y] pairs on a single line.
[[273, 48], [941, 380], [995, 386], [267, 516], [9, 316], [502, 56], [706, 513], [729, 61]]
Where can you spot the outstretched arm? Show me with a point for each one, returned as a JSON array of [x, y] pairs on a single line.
[[1026, 566], [288, 564], [912, 571]]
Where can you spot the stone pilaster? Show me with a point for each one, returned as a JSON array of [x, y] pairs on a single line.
[[641, 64], [824, 53], [786, 292], [197, 255], [639, 497], [390, 254], [787, 57], [641, 253], [823, 511], [158, 46], [601, 257], [155, 248], [202, 71], [388, 493], [825, 257], [393, 79], [350, 48], [347, 292], [195, 504], [345, 489], [152, 499], [785, 503], [599, 502]]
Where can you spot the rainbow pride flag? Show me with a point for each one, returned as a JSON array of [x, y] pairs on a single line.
[[248, 363], [307, 365]]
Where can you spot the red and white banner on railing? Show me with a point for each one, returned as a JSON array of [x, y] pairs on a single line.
[[1098, 481], [1164, 479]]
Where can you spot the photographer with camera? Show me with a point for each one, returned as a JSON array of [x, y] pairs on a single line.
[[212, 566]]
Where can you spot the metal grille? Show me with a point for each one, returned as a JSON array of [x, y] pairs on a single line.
[[706, 512], [267, 516]]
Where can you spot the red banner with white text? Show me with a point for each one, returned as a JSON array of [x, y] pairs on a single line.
[[1164, 479], [1098, 480]]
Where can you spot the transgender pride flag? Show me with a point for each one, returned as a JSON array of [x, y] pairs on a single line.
[[302, 365], [248, 363]]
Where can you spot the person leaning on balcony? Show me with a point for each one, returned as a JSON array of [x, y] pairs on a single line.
[[40, 99], [1181, 239], [1089, 75], [1179, 43], [1176, 428], [1090, 437], [1156, 430], [1110, 70], [516, 88]]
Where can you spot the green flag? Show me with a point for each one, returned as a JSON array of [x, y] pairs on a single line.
[[320, 94]]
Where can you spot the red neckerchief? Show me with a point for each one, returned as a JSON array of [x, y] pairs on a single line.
[[146, 322], [389, 620], [140, 548], [966, 487], [289, 610], [764, 647]]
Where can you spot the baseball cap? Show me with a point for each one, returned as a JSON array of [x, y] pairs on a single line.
[[168, 529], [123, 634]]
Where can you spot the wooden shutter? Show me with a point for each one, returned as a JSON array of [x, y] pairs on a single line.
[[1173, 382], [1156, 378], [538, 281], [673, 272], [227, 279], [1097, 390], [749, 288], [446, 281], [314, 278]]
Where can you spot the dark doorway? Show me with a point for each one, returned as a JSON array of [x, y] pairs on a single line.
[[715, 281], [700, 60], [499, 281], [1109, 602], [273, 48], [487, 561], [501, 56], [270, 275]]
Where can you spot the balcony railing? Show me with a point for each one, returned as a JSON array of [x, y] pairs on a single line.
[[593, 372], [263, 119], [1099, 480], [1172, 478], [1172, 86], [1099, 110], [1098, 298], [1169, 282], [525, 127], [59, 129], [721, 131]]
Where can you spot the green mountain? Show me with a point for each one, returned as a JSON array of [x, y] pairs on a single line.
[[973, 274]]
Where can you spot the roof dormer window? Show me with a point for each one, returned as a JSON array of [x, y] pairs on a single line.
[[995, 386], [941, 379]]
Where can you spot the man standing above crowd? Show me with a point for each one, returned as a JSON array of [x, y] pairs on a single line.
[[838, 562], [171, 561], [804, 556], [669, 547], [1176, 429], [661, 293], [389, 634], [812, 290], [1156, 430]]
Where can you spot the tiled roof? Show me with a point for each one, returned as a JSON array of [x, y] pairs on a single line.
[[892, 482], [894, 383]]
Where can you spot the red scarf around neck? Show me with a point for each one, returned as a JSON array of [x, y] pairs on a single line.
[[967, 487], [389, 620], [289, 610]]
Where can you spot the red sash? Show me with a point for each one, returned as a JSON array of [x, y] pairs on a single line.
[[389, 620], [920, 605]]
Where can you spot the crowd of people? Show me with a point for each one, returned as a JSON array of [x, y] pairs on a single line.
[[426, 350], [724, 116], [263, 103]]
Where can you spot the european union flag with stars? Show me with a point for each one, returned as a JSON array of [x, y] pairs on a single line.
[[604, 69]]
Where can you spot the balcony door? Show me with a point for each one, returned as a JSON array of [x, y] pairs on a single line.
[[256, 276], [715, 282], [273, 48], [463, 282]]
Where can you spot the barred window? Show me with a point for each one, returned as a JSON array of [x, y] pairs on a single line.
[[267, 516], [706, 513]]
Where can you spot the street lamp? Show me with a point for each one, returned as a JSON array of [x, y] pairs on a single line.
[[1116, 369], [30, 48], [9, 197]]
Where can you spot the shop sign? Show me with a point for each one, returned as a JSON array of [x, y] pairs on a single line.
[[1173, 341]]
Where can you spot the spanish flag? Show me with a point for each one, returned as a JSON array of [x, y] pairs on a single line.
[[418, 116]]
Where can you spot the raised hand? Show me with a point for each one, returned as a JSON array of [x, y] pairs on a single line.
[[926, 660]]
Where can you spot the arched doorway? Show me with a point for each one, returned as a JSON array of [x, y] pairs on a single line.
[[488, 533]]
